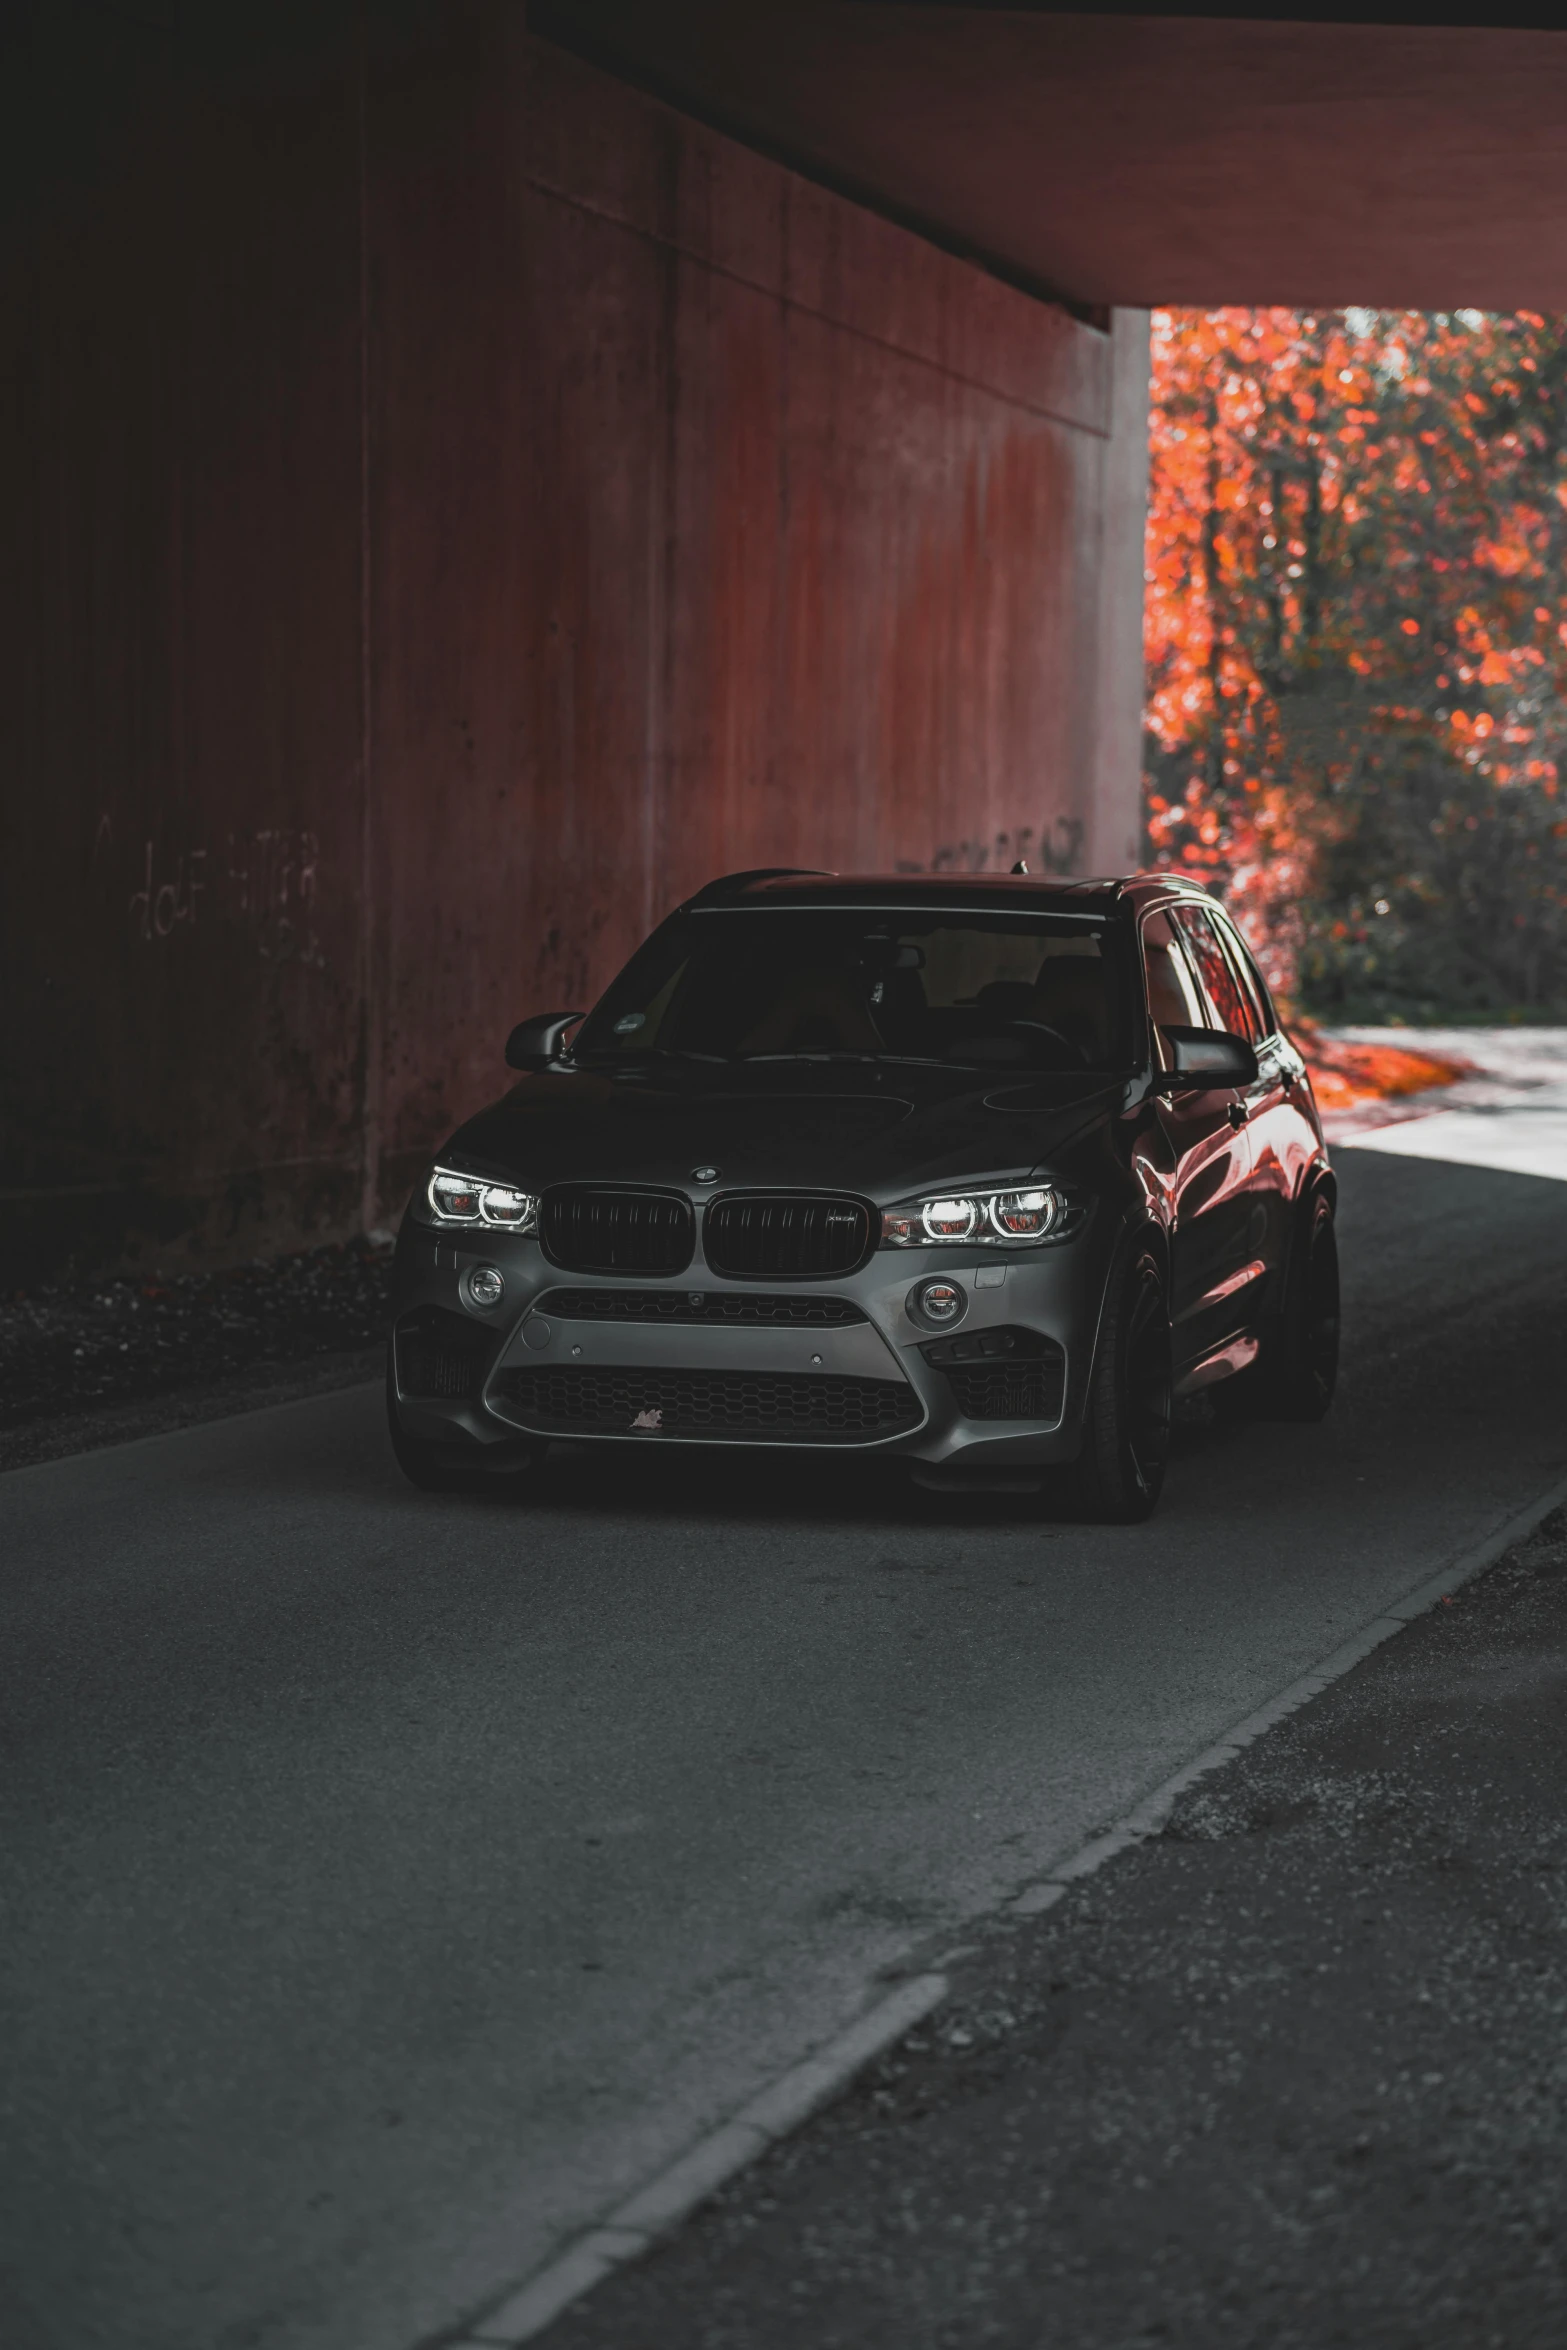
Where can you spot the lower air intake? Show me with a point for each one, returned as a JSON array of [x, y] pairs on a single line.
[[1005, 1374], [744, 1407], [1007, 1391], [441, 1357], [723, 1308]]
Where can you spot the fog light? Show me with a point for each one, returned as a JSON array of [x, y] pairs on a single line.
[[483, 1287], [939, 1303]]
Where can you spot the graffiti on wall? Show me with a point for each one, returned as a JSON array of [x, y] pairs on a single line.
[[259, 884], [1054, 846]]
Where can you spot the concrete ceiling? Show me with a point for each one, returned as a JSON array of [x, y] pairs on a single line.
[[1148, 158]]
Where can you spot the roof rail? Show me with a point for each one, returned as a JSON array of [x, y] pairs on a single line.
[[729, 885]]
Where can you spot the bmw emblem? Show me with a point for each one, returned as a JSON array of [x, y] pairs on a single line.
[[704, 1174]]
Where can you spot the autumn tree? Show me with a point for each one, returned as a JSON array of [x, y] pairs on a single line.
[[1357, 646]]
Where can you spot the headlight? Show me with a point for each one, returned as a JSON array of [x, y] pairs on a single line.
[[469, 1199], [988, 1219]]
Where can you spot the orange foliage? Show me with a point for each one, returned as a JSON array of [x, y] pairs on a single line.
[[1357, 535], [1344, 1075]]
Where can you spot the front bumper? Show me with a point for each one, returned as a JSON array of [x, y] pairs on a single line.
[[865, 1384]]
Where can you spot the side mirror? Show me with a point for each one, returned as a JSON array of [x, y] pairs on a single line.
[[1207, 1060], [535, 1044]]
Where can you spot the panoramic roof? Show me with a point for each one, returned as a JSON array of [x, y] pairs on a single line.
[[1131, 157]]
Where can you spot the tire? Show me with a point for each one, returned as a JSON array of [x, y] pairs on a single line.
[[1126, 1424], [1299, 1369], [442, 1468]]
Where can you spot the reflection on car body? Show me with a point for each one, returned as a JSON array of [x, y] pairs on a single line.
[[979, 1171]]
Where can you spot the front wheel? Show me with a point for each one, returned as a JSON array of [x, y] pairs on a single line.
[[1126, 1427], [1300, 1368]]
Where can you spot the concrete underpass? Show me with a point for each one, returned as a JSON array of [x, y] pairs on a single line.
[[473, 474]]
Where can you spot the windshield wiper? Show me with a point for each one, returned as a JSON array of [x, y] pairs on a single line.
[[863, 1060], [657, 1052]]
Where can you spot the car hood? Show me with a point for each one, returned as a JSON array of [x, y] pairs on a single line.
[[878, 1130]]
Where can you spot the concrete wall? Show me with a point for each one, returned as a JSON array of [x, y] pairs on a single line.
[[459, 506]]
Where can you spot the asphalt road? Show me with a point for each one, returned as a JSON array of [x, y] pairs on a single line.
[[1287, 2074], [392, 1882]]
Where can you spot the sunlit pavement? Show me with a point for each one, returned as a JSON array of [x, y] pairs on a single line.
[[393, 1883], [1510, 1114]]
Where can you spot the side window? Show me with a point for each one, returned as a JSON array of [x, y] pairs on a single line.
[[1231, 1009], [1251, 980], [1174, 997]]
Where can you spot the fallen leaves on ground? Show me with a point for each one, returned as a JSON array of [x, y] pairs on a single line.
[[1345, 1074]]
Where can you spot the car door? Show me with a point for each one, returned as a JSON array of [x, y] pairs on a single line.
[[1212, 1259], [1283, 1140]]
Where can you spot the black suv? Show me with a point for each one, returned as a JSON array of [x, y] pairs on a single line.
[[983, 1171]]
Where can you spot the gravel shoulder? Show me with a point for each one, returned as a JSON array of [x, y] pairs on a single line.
[[1290, 2073], [106, 1361]]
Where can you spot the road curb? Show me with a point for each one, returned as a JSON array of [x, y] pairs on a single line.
[[674, 2193], [1150, 1815]]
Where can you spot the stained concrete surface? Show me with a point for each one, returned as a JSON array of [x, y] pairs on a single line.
[[392, 1882], [1291, 2074], [456, 506]]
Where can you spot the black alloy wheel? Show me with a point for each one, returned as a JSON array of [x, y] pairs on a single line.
[[442, 1468], [1300, 1365], [1126, 1427]]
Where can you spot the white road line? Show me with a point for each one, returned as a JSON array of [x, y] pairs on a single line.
[[675, 2192]]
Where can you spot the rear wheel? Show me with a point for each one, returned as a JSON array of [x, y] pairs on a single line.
[[1126, 1427], [444, 1468], [1299, 1369]]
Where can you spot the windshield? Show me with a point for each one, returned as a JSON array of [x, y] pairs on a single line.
[[1030, 991]]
